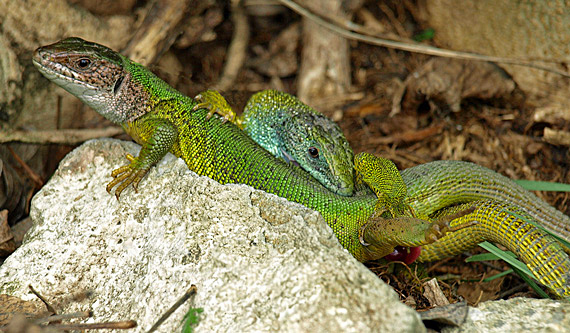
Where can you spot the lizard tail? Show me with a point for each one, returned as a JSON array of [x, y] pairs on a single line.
[[509, 226]]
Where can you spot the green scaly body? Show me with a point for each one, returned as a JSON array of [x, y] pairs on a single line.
[[464, 182], [295, 132], [161, 120]]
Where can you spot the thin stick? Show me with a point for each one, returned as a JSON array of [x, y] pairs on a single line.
[[38, 182], [237, 49], [82, 314], [48, 306], [117, 325], [189, 293], [64, 136]]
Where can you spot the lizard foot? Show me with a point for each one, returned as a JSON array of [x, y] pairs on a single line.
[[126, 175], [215, 103], [442, 225], [380, 235]]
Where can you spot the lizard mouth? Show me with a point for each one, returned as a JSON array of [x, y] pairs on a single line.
[[345, 191], [407, 255], [53, 70]]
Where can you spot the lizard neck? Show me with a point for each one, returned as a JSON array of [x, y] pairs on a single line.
[[138, 93]]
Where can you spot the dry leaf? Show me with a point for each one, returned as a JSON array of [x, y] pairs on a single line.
[[446, 82]]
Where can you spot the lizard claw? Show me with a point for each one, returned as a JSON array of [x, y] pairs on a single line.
[[126, 175], [214, 103], [442, 225]]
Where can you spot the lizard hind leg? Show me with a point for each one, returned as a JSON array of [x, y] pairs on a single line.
[[382, 176], [380, 235]]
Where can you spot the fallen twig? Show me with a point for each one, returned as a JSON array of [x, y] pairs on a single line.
[[51, 319], [163, 23], [38, 182], [189, 293], [63, 136], [48, 306], [111, 325], [237, 49]]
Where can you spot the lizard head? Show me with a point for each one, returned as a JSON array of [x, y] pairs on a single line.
[[97, 75], [318, 145]]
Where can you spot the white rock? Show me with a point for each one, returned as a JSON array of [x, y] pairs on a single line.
[[516, 315], [260, 263]]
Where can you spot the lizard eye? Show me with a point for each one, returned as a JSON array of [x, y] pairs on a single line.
[[83, 63], [314, 152]]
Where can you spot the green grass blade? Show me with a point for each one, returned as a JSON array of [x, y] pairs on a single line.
[[534, 185], [482, 257], [532, 284], [517, 266], [496, 276], [508, 257]]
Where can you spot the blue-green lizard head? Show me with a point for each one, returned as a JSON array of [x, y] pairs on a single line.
[[318, 145], [292, 130]]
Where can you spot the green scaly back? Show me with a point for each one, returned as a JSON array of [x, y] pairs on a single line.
[[295, 132]]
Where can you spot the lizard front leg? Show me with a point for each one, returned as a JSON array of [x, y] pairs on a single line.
[[384, 179], [157, 137], [214, 102]]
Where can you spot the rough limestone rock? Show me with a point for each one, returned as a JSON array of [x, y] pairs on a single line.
[[516, 315], [260, 262]]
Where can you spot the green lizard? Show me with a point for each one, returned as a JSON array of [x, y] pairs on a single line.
[[161, 119], [292, 130], [262, 120], [382, 176], [283, 107]]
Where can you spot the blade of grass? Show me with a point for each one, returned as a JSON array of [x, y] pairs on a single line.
[[534, 185], [488, 257], [532, 284], [482, 257], [496, 276], [508, 257], [517, 266]]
